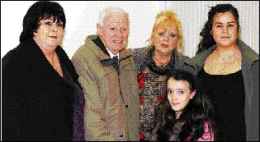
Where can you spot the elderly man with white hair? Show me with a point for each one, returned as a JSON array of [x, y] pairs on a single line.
[[108, 77]]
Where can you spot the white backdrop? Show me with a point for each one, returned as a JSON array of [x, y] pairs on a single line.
[[82, 17]]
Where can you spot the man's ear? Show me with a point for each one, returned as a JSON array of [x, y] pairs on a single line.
[[99, 29], [193, 93]]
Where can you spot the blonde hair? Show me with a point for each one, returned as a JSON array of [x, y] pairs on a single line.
[[168, 18]]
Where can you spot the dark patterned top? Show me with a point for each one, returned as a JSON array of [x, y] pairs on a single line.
[[153, 93]]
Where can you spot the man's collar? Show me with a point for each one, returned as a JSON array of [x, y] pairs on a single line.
[[101, 45], [111, 54]]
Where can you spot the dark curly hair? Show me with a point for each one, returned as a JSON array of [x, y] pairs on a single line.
[[206, 38], [38, 11], [191, 122]]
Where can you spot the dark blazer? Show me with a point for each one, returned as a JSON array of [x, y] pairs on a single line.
[[37, 102]]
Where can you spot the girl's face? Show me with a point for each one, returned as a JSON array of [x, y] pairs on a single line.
[[225, 29], [179, 94], [165, 39]]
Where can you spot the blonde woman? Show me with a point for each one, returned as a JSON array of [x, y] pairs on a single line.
[[154, 62]]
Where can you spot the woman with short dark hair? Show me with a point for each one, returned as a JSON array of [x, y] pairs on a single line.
[[42, 99]]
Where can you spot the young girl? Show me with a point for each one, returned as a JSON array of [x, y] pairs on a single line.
[[186, 115]]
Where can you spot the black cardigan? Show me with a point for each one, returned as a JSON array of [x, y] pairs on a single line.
[[37, 102]]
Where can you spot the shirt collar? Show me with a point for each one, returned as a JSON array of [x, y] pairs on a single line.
[[111, 54]]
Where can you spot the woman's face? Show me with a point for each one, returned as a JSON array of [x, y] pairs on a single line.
[[49, 33], [225, 29], [165, 39], [179, 94]]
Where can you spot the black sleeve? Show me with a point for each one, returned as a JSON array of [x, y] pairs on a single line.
[[10, 98]]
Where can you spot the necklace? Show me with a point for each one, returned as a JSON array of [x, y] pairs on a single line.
[[220, 62], [159, 69], [161, 63]]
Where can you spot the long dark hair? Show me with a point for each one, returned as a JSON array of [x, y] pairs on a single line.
[[206, 37], [191, 122], [41, 10]]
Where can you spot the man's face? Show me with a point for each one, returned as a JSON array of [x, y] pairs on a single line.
[[114, 32]]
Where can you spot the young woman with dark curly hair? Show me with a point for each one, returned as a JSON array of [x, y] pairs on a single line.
[[228, 69], [187, 113]]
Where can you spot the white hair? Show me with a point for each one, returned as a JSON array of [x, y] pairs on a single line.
[[109, 11]]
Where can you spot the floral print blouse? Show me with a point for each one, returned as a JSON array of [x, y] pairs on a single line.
[[153, 92]]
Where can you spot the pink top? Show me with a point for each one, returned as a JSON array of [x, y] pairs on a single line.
[[208, 134]]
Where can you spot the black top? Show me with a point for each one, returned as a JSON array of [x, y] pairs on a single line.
[[227, 95], [37, 101], [78, 107]]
